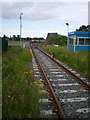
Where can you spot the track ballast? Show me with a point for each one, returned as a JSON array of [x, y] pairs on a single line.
[[72, 99]]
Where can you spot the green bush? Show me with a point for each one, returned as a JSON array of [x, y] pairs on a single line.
[[59, 39]]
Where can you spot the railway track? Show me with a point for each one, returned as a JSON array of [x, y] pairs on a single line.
[[69, 97], [46, 109]]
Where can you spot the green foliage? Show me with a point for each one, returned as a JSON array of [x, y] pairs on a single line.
[[78, 60], [20, 96], [16, 38], [60, 40], [84, 28], [38, 38]]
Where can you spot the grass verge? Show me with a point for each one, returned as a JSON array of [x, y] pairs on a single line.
[[77, 60], [20, 97]]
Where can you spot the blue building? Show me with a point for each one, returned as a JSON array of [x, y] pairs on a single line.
[[79, 40]]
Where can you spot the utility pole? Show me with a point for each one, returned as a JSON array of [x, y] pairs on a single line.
[[20, 28]]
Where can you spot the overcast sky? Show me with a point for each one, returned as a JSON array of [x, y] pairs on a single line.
[[40, 18]]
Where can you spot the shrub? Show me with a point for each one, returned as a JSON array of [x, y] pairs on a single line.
[[59, 39]]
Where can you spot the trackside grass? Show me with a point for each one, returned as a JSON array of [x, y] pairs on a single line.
[[77, 60], [20, 96]]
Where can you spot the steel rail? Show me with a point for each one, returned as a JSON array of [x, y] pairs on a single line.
[[85, 85], [60, 111]]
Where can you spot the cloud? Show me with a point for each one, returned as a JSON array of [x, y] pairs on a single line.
[[43, 17], [12, 10], [45, 0], [32, 11], [44, 11]]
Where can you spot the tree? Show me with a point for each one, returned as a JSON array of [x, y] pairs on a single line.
[[18, 37], [84, 28], [10, 38], [88, 26], [59, 39], [5, 37], [38, 38], [14, 37]]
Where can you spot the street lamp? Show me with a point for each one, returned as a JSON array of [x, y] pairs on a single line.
[[67, 34], [20, 27]]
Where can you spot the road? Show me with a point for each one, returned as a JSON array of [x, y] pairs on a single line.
[[23, 44]]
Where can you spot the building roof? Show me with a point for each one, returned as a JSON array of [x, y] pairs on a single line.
[[79, 33], [51, 35]]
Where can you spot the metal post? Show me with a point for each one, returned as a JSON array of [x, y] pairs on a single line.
[[20, 27], [74, 43], [77, 41], [67, 34], [84, 41]]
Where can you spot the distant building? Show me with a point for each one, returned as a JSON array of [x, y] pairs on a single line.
[[79, 40], [50, 36]]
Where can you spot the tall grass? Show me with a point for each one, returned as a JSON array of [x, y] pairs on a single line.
[[78, 60], [20, 98]]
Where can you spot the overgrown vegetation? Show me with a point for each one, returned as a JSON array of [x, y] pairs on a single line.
[[78, 60], [59, 40], [20, 96]]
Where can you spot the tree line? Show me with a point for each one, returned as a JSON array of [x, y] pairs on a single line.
[[17, 38], [84, 28]]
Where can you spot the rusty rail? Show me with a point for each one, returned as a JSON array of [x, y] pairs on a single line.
[[85, 85], [60, 111]]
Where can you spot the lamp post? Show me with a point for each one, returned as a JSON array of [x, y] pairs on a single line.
[[67, 34], [20, 27]]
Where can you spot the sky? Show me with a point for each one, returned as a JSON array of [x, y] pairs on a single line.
[[42, 17]]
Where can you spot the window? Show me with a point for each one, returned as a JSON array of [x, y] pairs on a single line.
[[70, 40], [81, 41], [87, 41]]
